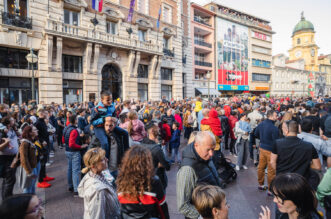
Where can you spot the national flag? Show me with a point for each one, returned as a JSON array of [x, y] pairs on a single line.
[[97, 5], [158, 19], [132, 4]]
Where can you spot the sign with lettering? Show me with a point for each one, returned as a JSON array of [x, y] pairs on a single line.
[[261, 36]]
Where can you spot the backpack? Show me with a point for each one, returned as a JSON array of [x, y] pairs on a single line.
[[190, 120]]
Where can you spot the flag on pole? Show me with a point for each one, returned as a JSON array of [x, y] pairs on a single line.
[[158, 19], [97, 5], [132, 4]]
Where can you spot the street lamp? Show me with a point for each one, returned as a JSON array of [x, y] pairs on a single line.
[[32, 58], [208, 77]]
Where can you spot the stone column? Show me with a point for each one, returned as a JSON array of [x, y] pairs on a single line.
[[59, 54], [129, 82], [49, 40], [154, 88], [90, 81], [127, 73], [96, 58]]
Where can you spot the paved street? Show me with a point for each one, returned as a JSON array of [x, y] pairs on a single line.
[[242, 195]]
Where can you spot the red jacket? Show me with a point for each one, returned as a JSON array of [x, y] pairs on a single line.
[[214, 122], [227, 110], [232, 123], [167, 130], [179, 120]]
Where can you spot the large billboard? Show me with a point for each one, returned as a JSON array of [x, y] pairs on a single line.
[[232, 55]]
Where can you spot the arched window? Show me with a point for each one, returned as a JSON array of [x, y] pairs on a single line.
[[298, 41]]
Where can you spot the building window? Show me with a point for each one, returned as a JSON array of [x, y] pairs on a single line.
[[72, 64], [15, 58], [142, 92], [167, 13], [21, 6], [166, 74], [142, 35], [143, 6], [261, 63], [166, 42], [199, 57], [260, 77], [166, 90], [184, 75], [261, 50], [72, 91], [71, 17], [298, 41], [142, 71], [111, 27]]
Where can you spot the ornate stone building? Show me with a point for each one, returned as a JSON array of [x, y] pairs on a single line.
[[76, 59]]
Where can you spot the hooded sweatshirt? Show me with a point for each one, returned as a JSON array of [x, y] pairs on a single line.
[[214, 122], [100, 198]]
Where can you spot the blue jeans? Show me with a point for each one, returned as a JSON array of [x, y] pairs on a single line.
[[175, 153], [74, 159], [102, 137], [32, 188]]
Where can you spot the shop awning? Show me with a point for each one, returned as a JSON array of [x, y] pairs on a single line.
[[212, 91]]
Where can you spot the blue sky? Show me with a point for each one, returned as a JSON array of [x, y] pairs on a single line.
[[284, 15]]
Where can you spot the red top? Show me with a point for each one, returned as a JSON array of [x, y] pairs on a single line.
[[167, 129], [179, 120], [72, 140]]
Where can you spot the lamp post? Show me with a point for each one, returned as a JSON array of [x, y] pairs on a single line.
[[208, 77], [32, 58]]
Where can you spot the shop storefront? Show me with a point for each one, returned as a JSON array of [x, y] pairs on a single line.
[[16, 90], [72, 91]]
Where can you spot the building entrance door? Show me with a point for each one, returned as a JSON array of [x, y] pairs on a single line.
[[112, 80]]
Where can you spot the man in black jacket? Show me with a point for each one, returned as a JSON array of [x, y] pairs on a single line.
[[161, 164], [118, 139], [43, 136]]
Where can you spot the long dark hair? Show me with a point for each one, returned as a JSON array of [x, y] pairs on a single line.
[[15, 206], [294, 187]]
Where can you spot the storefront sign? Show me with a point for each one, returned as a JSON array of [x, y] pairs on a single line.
[[260, 36], [262, 88], [233, 87], [228, 77]]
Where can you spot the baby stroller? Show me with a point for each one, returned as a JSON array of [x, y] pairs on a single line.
[[226, 170]]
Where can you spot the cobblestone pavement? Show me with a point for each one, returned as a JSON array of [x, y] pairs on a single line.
[[242, 195]]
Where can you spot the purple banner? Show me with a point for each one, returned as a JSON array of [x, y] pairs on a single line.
[[132, 3]]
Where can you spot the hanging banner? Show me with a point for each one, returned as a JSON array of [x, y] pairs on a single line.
[[130, 15], [232, 55], [311, 84]]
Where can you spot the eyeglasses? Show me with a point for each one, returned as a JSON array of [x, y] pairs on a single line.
[[36, 209]]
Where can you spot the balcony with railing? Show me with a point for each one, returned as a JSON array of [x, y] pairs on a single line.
[[16, 20], [88, 34], [203, 63], [202, 43], [202, 20], [168, 52]]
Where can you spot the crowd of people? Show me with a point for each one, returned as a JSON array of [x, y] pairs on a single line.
[[118, 154]]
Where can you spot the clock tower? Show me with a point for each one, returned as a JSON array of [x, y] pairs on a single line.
[[303, 44]]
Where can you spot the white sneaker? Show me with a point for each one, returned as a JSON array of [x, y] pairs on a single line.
[[51, 155], [245, 167], [237, 168], [48, 164]]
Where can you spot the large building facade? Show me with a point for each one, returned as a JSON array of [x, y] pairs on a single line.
[[243, 51], [202, 35], [303, 72], [77, 59], [324, 62]]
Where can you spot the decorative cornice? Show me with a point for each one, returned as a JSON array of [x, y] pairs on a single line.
[[144, 23], [113, 13], [168, 31], [77, 3]]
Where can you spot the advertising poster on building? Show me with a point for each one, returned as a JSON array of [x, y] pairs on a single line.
[[232, 55]]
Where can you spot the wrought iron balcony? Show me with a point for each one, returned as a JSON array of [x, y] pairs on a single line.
[[168, 52], [184, 60], [16, 20], [201, 21], [206, 64], [202, 43]]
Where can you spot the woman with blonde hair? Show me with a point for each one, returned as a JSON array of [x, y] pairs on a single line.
[[135, 127], [287, 117], [100, 199], [140, 192]]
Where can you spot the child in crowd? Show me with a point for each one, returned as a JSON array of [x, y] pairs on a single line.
[[165, 135], [175, 143]]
